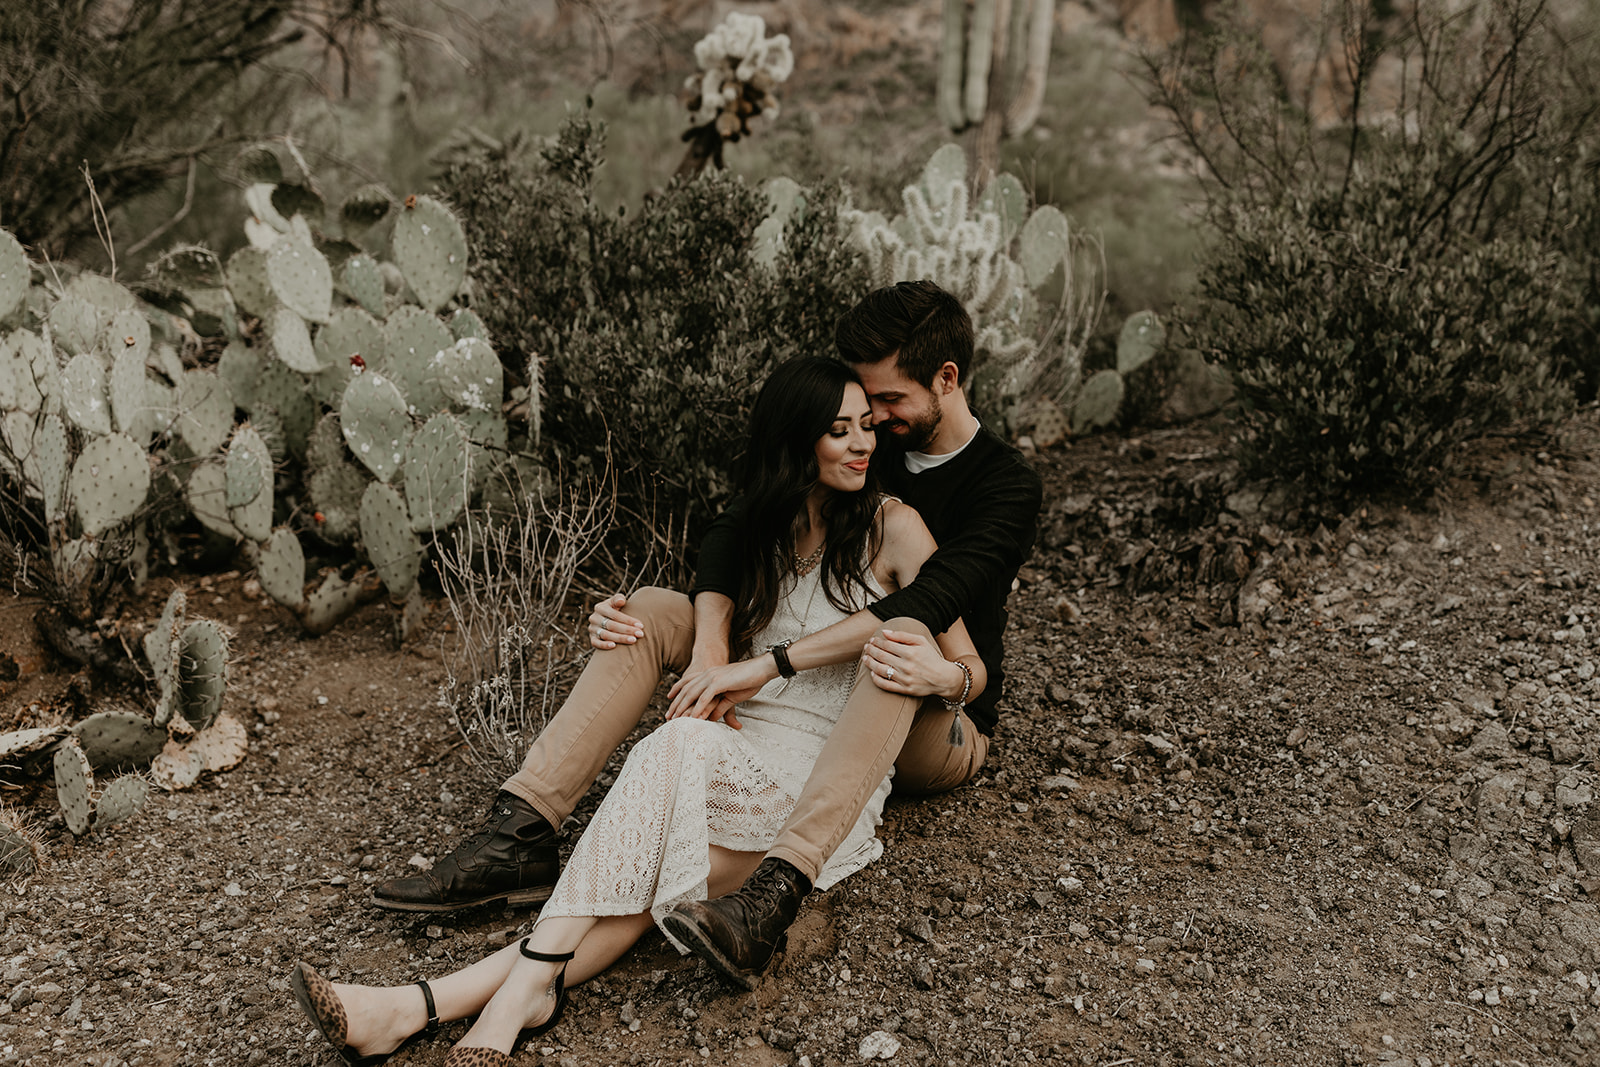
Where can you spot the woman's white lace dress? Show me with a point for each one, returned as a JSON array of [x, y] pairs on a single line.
[[693, 783]]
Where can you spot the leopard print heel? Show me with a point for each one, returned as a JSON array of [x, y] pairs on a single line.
[[323, 1007]]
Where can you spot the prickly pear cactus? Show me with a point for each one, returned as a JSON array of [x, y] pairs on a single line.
[[74, 786], [375, 423], [1141, 338], [301, 278], [1098, 402], [109, 482], [53, 456], [83, 394], [129, 400], [363, 280], [205, 411], [163, 647], [386, 532], [464, 323], [438, 479], [14, 274], [281, 568], [291, 341], [207, 497], [20, 852], [18, 743], [350, 335], [430, 249], [414, 339], [247, 474], [248, 281], [122, 799], [119, 740], [203, 672]]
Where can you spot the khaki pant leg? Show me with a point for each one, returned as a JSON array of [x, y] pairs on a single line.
[[943, 750], [605, 705], [854, 759]]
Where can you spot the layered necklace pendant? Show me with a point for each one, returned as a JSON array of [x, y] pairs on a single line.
[[804, 565]]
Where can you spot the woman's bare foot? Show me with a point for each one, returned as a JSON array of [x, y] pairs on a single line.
[[528, 998]]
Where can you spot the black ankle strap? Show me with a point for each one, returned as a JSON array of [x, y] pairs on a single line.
[[544, 957], [433, 1013]]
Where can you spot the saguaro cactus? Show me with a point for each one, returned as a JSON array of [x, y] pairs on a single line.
[[992, 64]]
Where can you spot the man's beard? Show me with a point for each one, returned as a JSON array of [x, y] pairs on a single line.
[[918, 433]]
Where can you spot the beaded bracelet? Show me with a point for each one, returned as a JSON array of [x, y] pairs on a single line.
[[960, 703]]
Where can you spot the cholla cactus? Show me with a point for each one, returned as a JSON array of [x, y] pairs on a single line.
[[740, 66], [998, 260]]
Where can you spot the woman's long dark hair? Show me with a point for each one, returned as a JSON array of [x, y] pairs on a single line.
[[795, 407]]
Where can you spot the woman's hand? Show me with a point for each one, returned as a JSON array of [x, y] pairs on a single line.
[[713, 693], [609, 626], [909, 663]]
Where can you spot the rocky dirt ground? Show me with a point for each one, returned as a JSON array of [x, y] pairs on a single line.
[[1270, 787]]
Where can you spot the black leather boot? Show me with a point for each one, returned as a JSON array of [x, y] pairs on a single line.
[[740, 933], [511, 858]]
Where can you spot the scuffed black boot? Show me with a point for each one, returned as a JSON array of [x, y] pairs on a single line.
[[511, 858], [740, 933]]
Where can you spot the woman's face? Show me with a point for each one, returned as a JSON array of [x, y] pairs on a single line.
[[843, 451]]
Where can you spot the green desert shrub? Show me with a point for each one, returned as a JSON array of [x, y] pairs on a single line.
[[1385, 278], [646, 335]]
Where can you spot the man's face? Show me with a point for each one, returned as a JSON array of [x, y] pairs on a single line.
[[905, 411]]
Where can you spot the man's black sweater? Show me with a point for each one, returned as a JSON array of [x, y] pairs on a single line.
[[983, 509]]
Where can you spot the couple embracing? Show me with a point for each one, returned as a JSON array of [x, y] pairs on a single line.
[[844, 632]]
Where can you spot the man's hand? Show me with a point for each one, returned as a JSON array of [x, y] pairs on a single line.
[[610, 626], [713, 693]]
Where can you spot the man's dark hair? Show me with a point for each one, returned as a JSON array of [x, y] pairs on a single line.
[[921, 322]]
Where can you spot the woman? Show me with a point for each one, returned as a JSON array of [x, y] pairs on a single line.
[[698, 803]]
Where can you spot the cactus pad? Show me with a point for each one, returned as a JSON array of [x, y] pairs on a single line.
[[1044, 244], [291, 341], [325, 444], [240, 366], [205, 411], [1097, 404], [83, 394], [221, 745], [20, 743], [19, 846], [363, 280], [437, 474], [75, 324], [128, 330], [14, 274], [53, 457], [130, 402], [248, 485], [119, 740], [284, 391], [391, 545], [207, 496], [469, 373], [281, 568], [160, 643], [336, 491], [188, 267], [74, 785], [202, 672], [350, 332], [25, 361], [465, 323], [331, 601], [122, 799], [177, 767], [102, 292], [430, 249], [1141, 338], [301, 279], [373, 418], [414, 338], [249, 283], [109, 482]]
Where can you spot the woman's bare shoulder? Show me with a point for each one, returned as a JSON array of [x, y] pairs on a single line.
[[901, 524]]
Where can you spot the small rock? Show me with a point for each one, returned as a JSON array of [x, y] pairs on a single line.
[[1067, 610], [1044, 898], [1058, 693], [1140, 823], [47, 992], [878, 1045], [419, 861], [1296, 737], [918, 927], [233, 889], [368, 862], [435, 932], [1079, 931], [1386, 997], [1057, 783], [1145, 966]]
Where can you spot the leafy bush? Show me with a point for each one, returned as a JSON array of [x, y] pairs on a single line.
[[1384, 284], [1358, 369], [650, 332]]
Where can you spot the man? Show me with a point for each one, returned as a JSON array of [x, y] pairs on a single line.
[[912, 345]]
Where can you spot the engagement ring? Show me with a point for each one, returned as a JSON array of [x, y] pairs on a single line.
[[890, 674]]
